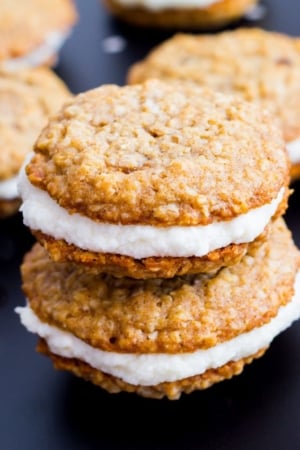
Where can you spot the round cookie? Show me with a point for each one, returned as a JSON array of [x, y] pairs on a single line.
[[172, 14], [33, 31], [27, 99], [259, 65], [162, 337], [169, 171]]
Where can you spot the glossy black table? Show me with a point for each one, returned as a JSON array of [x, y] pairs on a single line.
[[43, 409]]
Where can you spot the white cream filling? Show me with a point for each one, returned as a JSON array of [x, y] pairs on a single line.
[[293, 149], [156, 5], [41, 212], [151, 369], [9, 189], [53, 42]]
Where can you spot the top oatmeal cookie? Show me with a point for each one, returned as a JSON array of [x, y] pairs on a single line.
[[159, 154]]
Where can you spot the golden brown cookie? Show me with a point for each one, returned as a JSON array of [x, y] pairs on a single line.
[[201, 14], [163, 170], [27, 99], [32, 31], [162, 337], [259, 65]]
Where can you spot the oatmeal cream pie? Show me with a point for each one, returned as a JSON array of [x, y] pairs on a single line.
[[33, 31], [154, 180], [27, 98], [162, 337], [260, 65], [188, 14]]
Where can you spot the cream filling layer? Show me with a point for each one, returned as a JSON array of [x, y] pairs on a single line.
[[53, 42], [9, 189], [152, 369], [41, 212], [156, 5], [293, 149]]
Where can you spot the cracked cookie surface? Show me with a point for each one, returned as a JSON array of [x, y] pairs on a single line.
[[159, 154]]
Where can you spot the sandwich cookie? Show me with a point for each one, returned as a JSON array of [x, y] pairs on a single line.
[[27, 99], [162, 337], [32, 32], [259, 65], [154, 180], [188, 14]]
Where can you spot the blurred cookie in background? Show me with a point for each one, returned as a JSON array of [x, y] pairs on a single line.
[[259, 65], [27, 99], [33, 31], [172, 14]]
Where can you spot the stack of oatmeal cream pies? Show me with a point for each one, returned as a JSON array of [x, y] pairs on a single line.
[[163, 263]]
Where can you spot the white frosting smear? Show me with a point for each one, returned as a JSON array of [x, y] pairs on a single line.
[[41, 212], [9, 188], [157, 5], [151, 369], [53, 42], [293, 149]]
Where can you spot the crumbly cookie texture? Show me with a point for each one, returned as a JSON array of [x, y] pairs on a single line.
[[160, 153], [171, 390], [260, 65], [27, 99], [18, 37], [213, 16], [177, 315]]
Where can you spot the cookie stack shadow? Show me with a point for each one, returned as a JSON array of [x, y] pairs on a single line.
[[163, 264]]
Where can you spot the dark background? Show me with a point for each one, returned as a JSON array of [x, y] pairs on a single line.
[[43, 409]]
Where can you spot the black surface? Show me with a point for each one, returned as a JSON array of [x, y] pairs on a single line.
[[42, 409]]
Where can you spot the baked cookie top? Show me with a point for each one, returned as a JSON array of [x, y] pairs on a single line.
[[260, 65], [160, 154], [178, 315], [27, 99], [24, 25]]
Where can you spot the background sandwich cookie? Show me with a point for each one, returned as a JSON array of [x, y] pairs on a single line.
[[176, 173], [33, 31], [162, 337], [190, 14], [259, 65], [28, 98]]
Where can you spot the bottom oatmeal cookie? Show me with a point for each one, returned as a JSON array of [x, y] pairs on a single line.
[[162, 337]]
